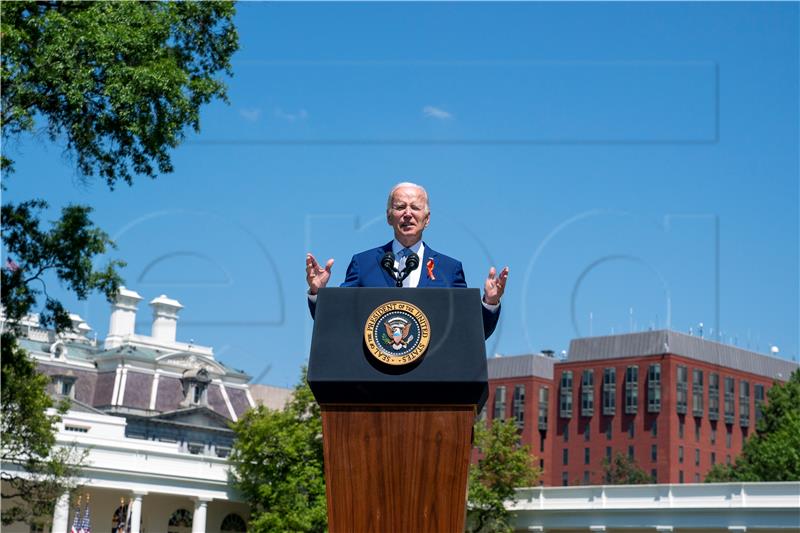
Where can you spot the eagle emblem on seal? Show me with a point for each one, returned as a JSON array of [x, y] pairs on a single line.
[[398, 331]]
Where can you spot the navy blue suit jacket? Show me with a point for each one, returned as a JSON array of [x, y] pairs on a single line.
[[365, 271]]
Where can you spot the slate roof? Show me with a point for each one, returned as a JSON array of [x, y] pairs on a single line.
[[521, 365], [661, 342]]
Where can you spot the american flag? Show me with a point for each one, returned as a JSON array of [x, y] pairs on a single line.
[[11, 265], [76, 521], [86, 523]]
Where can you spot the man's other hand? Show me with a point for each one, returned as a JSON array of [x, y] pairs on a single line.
[[495, 286], [316, 276]]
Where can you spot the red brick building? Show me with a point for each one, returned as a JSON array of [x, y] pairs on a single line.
[[675, 403]]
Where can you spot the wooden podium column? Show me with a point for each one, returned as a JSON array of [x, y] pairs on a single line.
[[397, 468]]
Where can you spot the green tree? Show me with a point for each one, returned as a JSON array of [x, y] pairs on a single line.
[[117, 84], [277, 462], [27, 439], [504, 465], [623, 470], [772, 453]]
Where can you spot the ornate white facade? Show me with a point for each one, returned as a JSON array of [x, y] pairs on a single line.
[[153, 415]]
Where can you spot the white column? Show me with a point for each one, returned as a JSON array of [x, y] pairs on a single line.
[[136, 512], [61, 514], [199, 518]]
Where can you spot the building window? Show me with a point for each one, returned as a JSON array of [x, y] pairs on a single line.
[[587, 393], [233, 523], [565, 396], [608, 453], [565, 479], [518, 406], [713, 458], [587, 432], [609, 391], [181, 518], [195, 448], [608, 430], [680, 476], [631, 429], [713, 434], [586, 456], [631, 390], [500, 403], [654, 388], [697, 430], [759, 393], [681, 426], [681, 389], [195, 387], [565, 432], [63, 386], [654, 428], [565, 456], [222, 451], [630, 452], [697, 457], [744, 403], [541, 441], [680, 454], [697, 478], [697, 392], [585, 477], [543, 407], [654, 475], [727, 459], [730, 391], [713, 396], [654, 452], [728, 436]]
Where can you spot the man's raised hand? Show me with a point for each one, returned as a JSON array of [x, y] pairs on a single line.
[[495, 286], [316, 276]]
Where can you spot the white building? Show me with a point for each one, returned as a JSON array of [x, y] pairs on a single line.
[[153, 414], [700, 507]]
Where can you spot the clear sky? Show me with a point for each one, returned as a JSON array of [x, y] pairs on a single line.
[[634, 164]]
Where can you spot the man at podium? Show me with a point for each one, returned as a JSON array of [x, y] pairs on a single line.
[[407, 260]]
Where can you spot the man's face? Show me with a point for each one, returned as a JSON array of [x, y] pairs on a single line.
[[408, 215]]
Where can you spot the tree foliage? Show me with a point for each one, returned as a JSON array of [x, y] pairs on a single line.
[[27, 439], [119, 82], [623, 470], [504, 465], [772, 453], [67, 249], [277, 460]]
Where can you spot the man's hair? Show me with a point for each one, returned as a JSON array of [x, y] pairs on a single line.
[[408, 184]]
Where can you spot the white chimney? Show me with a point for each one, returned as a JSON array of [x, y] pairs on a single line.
[[123, 316], [165, 318]]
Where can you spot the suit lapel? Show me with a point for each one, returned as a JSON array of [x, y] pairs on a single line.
[[424, 280], [381, 251]]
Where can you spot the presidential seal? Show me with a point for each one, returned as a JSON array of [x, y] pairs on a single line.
[[397, 333]]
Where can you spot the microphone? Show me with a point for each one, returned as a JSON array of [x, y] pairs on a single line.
[[412, 262], [387, 263]]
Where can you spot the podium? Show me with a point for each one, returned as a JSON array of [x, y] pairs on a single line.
[[397, 423]]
